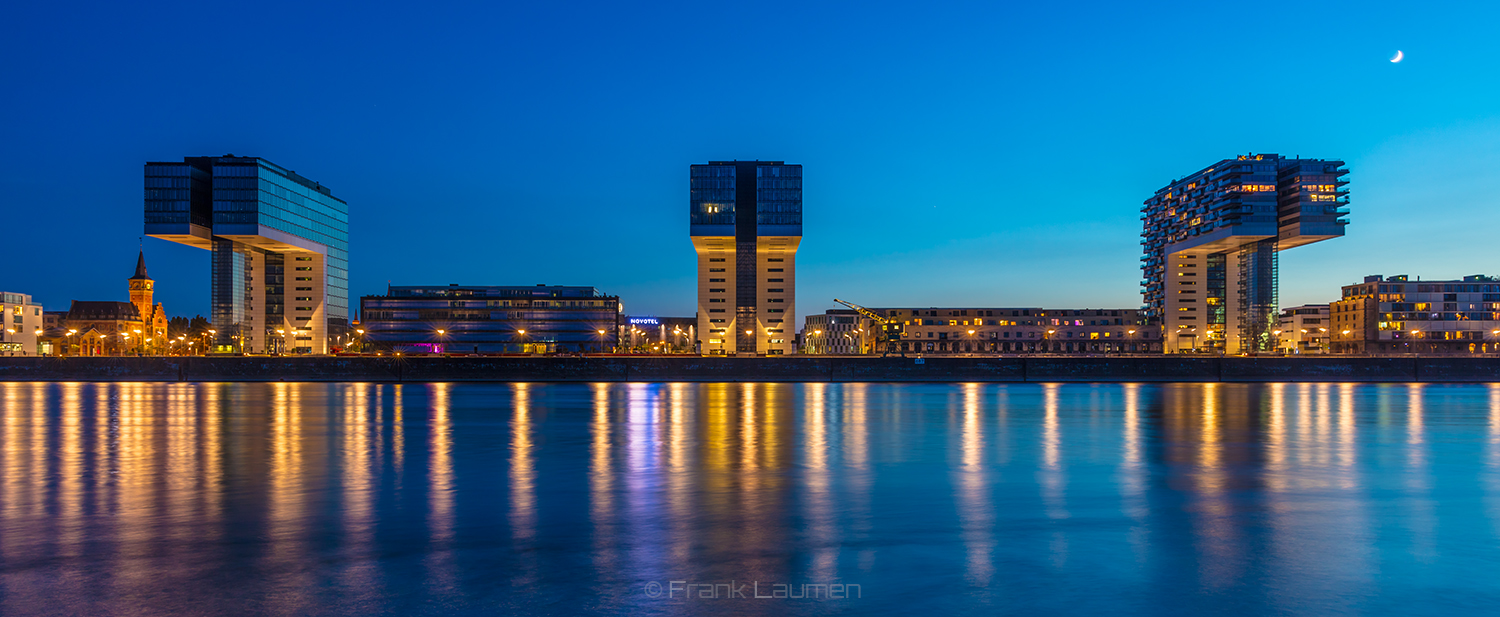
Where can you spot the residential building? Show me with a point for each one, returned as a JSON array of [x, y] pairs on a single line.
[[1211, 242], [745, 219], [1009, 331], [22, 330], [279, 243], [652, 334], [1397, 315], [490, 319], [839, 332], [1303, 329]]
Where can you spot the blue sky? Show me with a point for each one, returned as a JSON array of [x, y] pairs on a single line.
[[966, 154]]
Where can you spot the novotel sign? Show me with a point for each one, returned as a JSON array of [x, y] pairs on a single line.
[[644, 321]]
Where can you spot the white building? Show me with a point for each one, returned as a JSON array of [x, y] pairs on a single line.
[[23, 325], [1303, 329]]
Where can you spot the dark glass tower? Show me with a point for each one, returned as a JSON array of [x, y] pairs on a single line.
[[280, 243], [745, 219]]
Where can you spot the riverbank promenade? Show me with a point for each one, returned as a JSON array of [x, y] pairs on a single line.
[[834, 369]]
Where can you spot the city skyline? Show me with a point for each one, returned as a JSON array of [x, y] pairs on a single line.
[[994, 194]]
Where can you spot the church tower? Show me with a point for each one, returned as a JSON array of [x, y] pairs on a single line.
[[141, 288]]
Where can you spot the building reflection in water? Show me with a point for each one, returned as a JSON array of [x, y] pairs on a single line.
[[817, 483], [601, 482], [440, 493], [152, 493], [975, 511]]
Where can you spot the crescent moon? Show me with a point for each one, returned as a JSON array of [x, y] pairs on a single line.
[[1398, 56]]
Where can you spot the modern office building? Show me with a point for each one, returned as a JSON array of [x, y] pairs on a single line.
[[936, 330], [745, 219], [490, 319], [1303, 329], [1396, 315], [837, 332], [1211, 242], [280, 249], [22, 328]]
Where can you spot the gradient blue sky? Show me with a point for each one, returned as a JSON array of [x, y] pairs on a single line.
[[965, 154]]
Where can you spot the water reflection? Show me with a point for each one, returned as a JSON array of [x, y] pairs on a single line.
[[526, 498]]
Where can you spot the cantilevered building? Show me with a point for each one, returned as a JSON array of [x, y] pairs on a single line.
[[280, 246], [1211, 242], [746, 224]]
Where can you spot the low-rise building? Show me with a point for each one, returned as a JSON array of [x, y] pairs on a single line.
[[22, 330], [1303, 329], [490, 319], [1396, 315], [837, 331], [1008, 331], [652, 334]]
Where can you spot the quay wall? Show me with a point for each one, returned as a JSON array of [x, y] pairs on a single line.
[[1436, 369]]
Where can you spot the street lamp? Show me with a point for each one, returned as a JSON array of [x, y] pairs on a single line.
[[820, 339], [601, 340]]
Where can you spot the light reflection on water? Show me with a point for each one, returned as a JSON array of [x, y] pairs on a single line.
[[533, 498]]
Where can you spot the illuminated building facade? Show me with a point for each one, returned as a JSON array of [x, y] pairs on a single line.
[[1211, 242], [1303, 329], [745, 219], [988, 331], [22, 319], [490, 319], [653, 334], [837, 332], [1396, 315], [280, 249]]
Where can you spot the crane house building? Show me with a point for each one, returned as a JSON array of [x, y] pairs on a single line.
[[490, 319], [1211, 242], [745, 219]]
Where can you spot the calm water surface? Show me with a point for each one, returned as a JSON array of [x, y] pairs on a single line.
[[299, 499]]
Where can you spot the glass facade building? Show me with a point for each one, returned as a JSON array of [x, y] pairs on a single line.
[[280, 245], [1211, 243], [490, 319], [745, 219]]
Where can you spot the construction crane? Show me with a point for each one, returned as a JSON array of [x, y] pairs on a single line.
[[887, 331]]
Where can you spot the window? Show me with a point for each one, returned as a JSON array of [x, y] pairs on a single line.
[[304, 259], [716, 269], [775, 280], [775, 259], [716, 259], [776, 290], [304, 289], [304, 308], [715, 310], [715, 299], [304, 268], [773, 270], [304, 299], [715, 280], [776, 300], [716, 291], [716, 321]]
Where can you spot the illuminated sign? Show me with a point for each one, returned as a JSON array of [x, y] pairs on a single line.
[[644, 321]]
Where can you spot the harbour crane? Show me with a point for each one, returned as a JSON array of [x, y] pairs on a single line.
[[887, 331]]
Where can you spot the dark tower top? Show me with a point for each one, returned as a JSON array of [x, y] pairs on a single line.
[[140, 269]]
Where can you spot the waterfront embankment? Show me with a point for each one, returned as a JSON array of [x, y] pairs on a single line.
[[1446, 369]]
